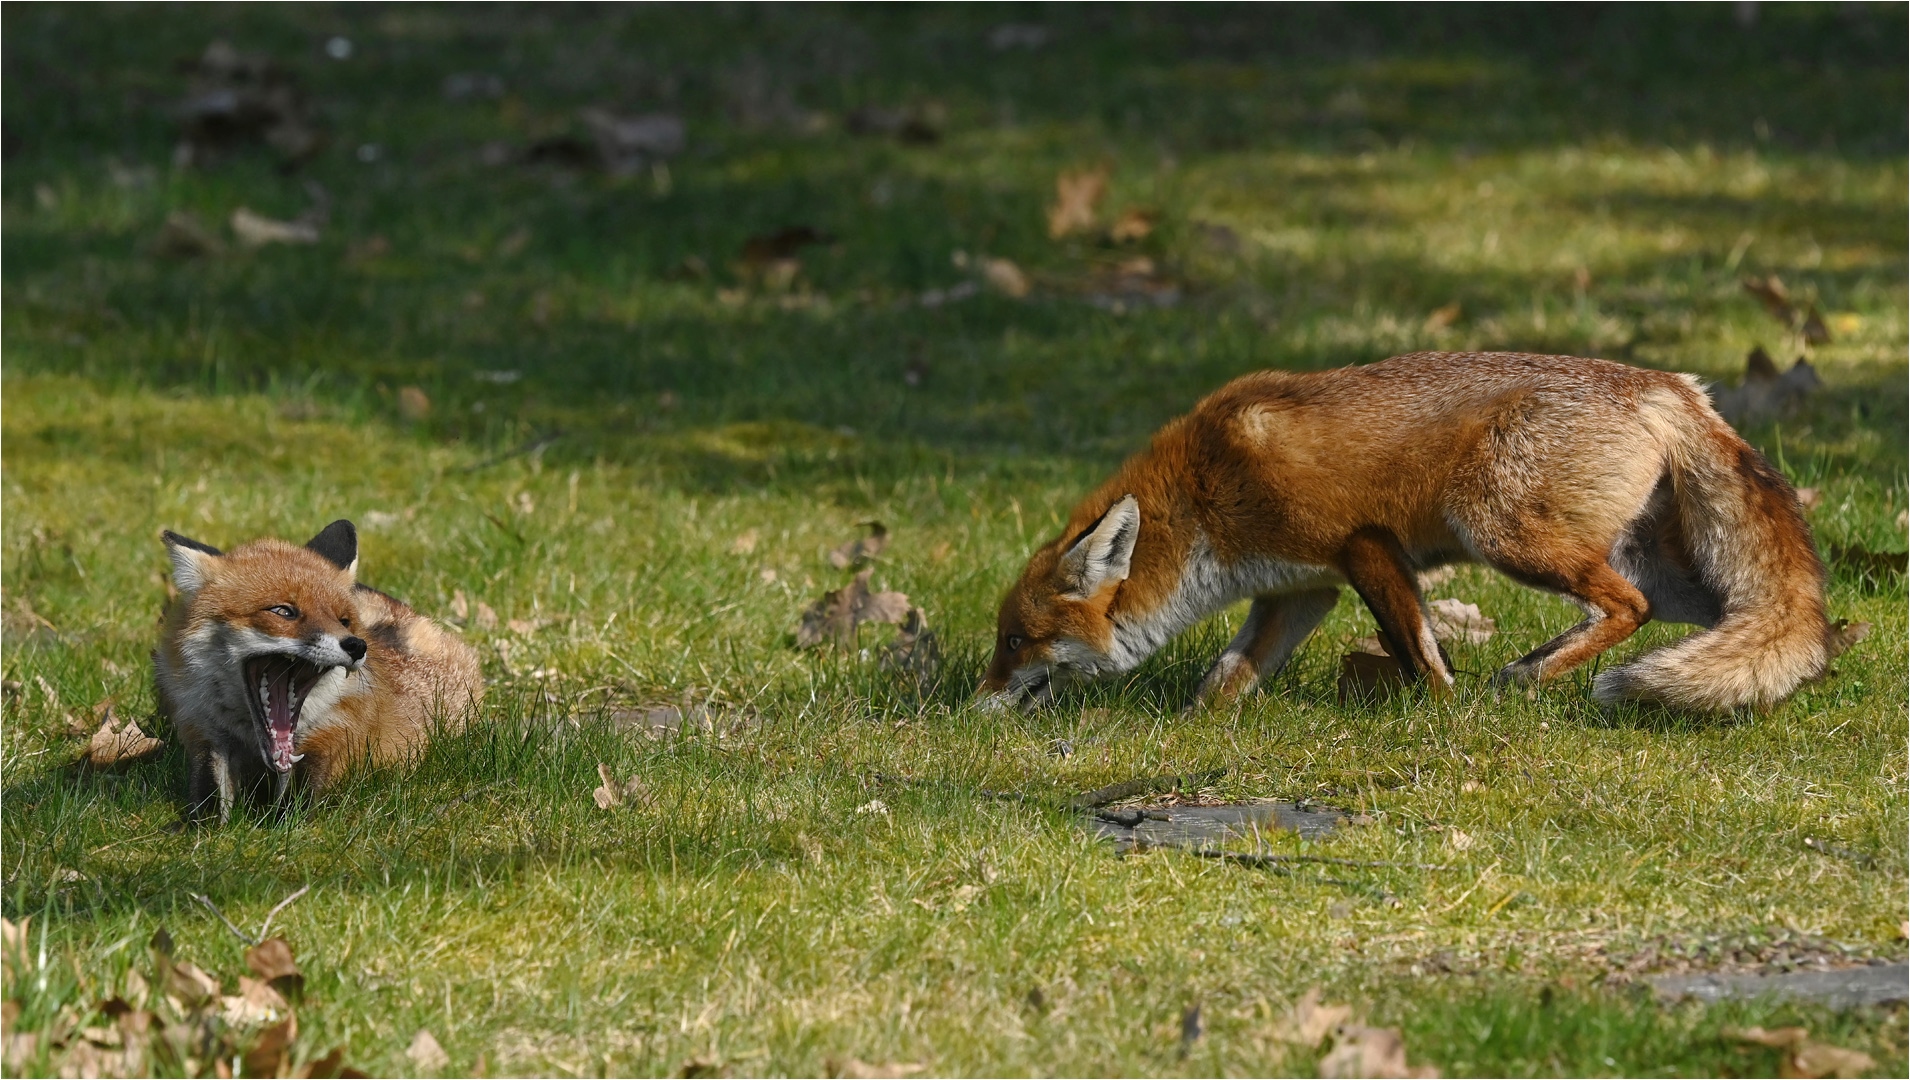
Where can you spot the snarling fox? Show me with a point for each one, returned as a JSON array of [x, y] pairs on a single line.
[[276, 663], [1618, 488]]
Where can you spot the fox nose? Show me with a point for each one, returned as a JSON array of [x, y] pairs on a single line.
[[354, 647]]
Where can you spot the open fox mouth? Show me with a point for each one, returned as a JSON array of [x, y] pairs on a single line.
[[277, 687]]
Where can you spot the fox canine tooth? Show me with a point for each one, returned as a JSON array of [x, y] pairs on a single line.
[[296, 758]]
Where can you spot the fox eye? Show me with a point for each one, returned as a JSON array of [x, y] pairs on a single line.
[[1015, 642], [283, 611], [344, 621]]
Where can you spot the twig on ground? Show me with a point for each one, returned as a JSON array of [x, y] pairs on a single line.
[[531, 447], [1128, 789], [1839, 851], [214, 908], [266, 926]]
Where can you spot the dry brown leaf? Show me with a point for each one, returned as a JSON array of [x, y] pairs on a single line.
[[1815, 1059], [1370, 1052], [325, 1068], [611, 793], [1078, 193], [460, 605], [486, 618], [857, 1069], [1135, 223], [1005, 277], [1443, 317], [915, 650], [190, 985], [1308, 1022], [184, 236], [413, 404], [745, 543], [527, 627], [858, 552], [1813, 329], [1843, 635], [117, 744], [1456, 620], [255, 1003], [1809, 498], [273, 1051], [425, 1053], [257, 230], [1778, 1037], [1459, 840], [839, 612], [272, 961], [1364, 675], [1770, 292]]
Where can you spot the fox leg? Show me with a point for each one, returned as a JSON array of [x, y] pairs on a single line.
[[1614, 610], [210, 785], [1275, 626], [1375, 565]]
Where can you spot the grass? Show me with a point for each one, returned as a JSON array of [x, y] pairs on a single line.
[[1576, 180]]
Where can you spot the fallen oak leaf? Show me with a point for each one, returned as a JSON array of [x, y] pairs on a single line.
[[272, 961], [256, 230], [1135, 223], [837, 614], [413, 404], [190, 985], [857, 1069], [1814, 1059], [117, 744], [1813, 328], [1456, 620], [1770, 292], [858, 552], [1366, 675], [613, 794], [255, 1003], [1370, 1052], [1309, 1022], [425, 1053], [745, 543], [1078, 193], [1809, 498], [273, 1050], [1005, 277], [1782, 1038], [1443, 317], [915, 651]]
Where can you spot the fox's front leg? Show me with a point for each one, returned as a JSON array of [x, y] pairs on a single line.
[[1275, 626], [210, 780]]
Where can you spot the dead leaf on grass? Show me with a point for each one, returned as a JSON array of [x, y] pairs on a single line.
[[1366, 675], [1005, 277], [1370, 1052], [255, 1003], [1781, 1038], [486, 618], [745, 543], [861, 552], [425, 1053], [1078, 194], [117, 743], [857, 1069], [1813, 1060], [190, 985], [1770, 292], [256, 230], [1443, 317], [1809, 498], [839, 612], [915, 651], [413, 403], [1456, 620], [1308, 1022], [1459, 840], [184, 236], [1813, 328], [272, 961], [1134, 223], [612, 794]]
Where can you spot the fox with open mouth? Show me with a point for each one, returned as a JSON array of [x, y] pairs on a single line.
[[276, 663]]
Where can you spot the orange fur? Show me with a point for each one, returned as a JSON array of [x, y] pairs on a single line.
[[1617, 487]]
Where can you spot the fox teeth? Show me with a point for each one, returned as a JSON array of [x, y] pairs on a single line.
[[296, 758]]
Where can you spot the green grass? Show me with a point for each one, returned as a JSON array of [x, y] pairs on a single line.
[[1373, 165]]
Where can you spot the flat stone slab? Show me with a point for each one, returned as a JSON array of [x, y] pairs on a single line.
[[1210, 826], [1841, 988]]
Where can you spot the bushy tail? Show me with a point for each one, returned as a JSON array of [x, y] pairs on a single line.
[[1745, 535]]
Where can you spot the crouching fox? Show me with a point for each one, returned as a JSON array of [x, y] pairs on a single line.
[[277, 662], [1618, 488]]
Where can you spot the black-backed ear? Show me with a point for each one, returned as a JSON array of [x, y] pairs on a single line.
[[338, 542], [1104, 552], [191, 561]]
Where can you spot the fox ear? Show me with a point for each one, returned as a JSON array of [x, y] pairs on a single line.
[[1102, 554], [338, 542], [191, 561]]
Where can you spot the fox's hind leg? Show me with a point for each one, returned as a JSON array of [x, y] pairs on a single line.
[[1375, 565], [1614, 610], [209, 784], [1275, 626]]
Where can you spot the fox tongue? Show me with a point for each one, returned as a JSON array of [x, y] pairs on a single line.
[[280, 717]]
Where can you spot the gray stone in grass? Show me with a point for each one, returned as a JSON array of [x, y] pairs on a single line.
[[1208, 826], [1840, 988]]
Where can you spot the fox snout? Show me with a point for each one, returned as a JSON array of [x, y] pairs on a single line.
[[354, 647]]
